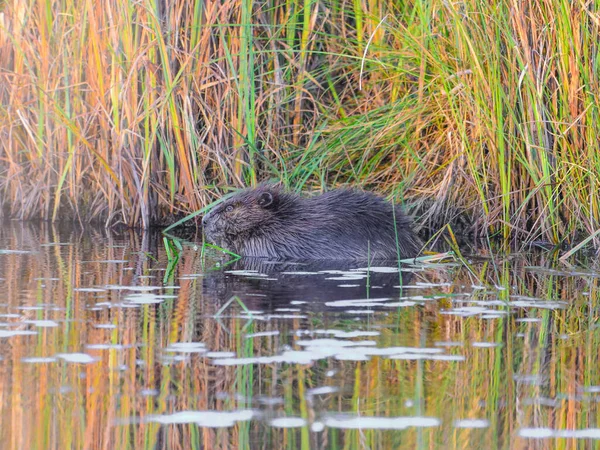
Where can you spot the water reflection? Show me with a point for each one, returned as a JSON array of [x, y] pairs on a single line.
[[105, 343], [273, 286]]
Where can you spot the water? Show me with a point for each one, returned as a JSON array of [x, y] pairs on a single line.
[[104, 343]]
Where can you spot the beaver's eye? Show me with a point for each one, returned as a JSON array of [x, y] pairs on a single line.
[[229, 208]]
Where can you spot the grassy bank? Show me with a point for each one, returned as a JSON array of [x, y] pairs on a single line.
[[131, 111]]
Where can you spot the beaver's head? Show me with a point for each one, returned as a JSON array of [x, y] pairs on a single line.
[[241, 216]]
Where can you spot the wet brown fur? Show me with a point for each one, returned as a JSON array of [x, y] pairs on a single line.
[[341, 224]]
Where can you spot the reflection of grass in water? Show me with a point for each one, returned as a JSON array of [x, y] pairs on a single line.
[[486, 385], [172, 249], [244, 385], [174, 246], [229, 302]]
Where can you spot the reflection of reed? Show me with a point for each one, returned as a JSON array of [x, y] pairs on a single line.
[[105, 404]]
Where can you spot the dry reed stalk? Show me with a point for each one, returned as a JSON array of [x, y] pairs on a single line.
[[133, 111]]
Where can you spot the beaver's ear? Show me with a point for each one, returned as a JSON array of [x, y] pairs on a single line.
[[266, 199]]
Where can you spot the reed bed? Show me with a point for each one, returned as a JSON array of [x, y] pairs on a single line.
[[131, 112]]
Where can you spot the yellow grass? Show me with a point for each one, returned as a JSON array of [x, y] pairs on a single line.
[[130, 112]]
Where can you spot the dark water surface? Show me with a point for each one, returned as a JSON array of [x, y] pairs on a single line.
[[104, 344]]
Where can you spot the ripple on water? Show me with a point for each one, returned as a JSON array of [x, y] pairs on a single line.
[[107, 346], [467, 311], [39, 359], [42, 323], [417, 356], [186, 347], [541, 304], [118, 287], [357, 302], [486, 344], [6, 333], [348, 334], [347, 277], [319, 343], [210, 419], [80, 358], [262, 334], [287, 422], [146, 298], [545, 433], [299, 273], [317, 427], [448, 344], [471, 423], [220, 354], [379, 423], [342, 350], [323, 390], [89, 289], [247, 273], [379, 269]]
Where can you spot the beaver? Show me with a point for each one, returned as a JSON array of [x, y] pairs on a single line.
[[342, 224]]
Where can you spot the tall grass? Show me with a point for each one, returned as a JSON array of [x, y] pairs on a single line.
[[131, 111]]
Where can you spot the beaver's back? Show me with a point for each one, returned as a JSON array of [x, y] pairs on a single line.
[[346, 224]]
